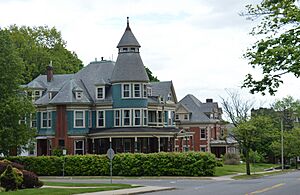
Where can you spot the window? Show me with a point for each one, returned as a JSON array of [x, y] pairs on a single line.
[[33, 123], [203, 134], [145, 117], [159, 116], [126, 117], [169, 97], [132, 49], [169, 118], [100, 93], [152, 117], [78, 147], [149, 91], [22, 120], [177, 117], [137, 117], [145, 90], [125, 49], [46, 119], [137, 90], [79, 118], [37, 94], [61, 143], [202, 148], [101, 118], [117, 118], [126, 90], [78, 95], [50, 95], [186, 117]]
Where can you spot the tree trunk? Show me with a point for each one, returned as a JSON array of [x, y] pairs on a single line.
[[296, 162], [247, 162]]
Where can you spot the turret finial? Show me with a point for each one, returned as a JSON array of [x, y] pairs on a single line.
[[128, 28]]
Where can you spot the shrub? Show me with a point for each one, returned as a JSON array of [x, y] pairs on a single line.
[[125, 164], [30, 180], [10, 179], [4, 163], [231, 159]]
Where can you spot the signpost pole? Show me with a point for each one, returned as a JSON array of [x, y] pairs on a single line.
[[110, 164]]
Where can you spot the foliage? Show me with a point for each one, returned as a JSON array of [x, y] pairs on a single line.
[[256, 157], [152, 78], [37, 46], [57, 152], [156, 164], [241, 168], [14, 105], [231, 159], [10, 179], [277, 52], [31, 180]]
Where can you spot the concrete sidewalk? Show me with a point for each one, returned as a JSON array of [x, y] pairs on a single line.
[[138, 190]]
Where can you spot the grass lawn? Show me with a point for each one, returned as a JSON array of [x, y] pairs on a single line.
[[61, 191], [255, 176], [241, 168]]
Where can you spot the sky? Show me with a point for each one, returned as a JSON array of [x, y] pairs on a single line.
[[198, 44]]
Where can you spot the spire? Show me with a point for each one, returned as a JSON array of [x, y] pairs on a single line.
[[128, 27], [128, 39]]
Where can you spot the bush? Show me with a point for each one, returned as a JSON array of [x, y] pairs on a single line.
[[125, 164], [10, 179], [30, 180], [231, 159], [4, 163]]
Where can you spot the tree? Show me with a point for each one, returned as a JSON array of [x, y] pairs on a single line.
[[251, 134], [152, 78], [277, 52], [14, 105], [37, 46]]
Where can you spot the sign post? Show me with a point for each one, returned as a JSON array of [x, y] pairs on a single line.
[[110, 154]]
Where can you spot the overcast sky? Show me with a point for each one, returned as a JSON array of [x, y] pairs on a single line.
[[197, 44]]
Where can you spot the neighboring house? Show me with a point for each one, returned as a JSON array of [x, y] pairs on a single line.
[[106, 103], [203, 127]]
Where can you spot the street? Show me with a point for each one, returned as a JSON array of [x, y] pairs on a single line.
[[288, 183]]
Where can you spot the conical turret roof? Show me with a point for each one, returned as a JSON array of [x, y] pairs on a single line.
[[128, 38]]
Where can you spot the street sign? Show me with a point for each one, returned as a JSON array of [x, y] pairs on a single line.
[[110, 153]]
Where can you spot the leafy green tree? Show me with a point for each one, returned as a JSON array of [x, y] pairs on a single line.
[[37, 46], [277, 52], [152, 78], [251, 134], [14, 106]]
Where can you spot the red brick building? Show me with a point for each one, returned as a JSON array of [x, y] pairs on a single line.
[[202, 127]]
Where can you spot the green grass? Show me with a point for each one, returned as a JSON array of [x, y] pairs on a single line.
[[60, 191], [255, 176], [241, 168]]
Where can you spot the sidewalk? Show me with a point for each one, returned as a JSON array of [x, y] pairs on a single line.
[[138, 190]]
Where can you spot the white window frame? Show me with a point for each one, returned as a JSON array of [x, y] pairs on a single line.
[[123, 117], [187, 117], [98, 125], [75, 149], [145, 117], [48, 119], [202, 146], [140, 90], [33, 117], [36, 96], [119, 118], [129, 90], [134, 117], [149, 91], [103, 93], [205, 132], [78, 95], [75, 126], [90, 119]]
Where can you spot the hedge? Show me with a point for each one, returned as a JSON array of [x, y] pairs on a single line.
[[125, 164]]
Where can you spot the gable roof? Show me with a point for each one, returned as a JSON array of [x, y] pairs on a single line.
[[163, 89], [197, 109]]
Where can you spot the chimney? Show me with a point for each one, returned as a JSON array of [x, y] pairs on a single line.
[[102, 58], [209, 100], [50, 72]]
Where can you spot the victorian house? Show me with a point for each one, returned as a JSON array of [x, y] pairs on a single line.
[[105, 104], [202, 127]]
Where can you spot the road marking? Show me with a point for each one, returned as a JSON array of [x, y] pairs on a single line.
[[266, 189]]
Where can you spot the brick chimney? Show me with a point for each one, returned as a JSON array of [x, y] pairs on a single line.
[[209, 100], [50, 72]]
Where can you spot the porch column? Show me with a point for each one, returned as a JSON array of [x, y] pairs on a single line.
[[169, 144], [93, 146], [135, 145], [110, 142], [158, 138]]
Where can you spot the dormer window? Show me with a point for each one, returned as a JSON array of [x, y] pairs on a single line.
[[50, 95], [186, 117], [37, 94], [125, 49], [100, 93], [78, 95], [169, 97], [132, 49], [145, 90]]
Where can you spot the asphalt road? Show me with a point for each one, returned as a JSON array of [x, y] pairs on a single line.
[[287, 184]]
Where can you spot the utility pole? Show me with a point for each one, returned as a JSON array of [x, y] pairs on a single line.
[[282, 163]]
